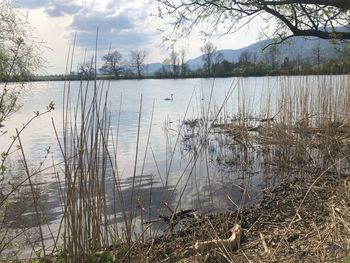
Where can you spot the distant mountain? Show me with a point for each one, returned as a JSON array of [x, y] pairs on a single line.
[[296, 47], [231, 55], [152, 68]]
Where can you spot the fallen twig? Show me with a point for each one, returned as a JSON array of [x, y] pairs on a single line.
[[230, 244]]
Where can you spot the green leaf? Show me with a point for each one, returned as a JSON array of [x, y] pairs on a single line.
[[2, 168], [4, 155], [51, 106]]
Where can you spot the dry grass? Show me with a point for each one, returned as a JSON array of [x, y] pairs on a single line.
[[305, 142], [276, 230], [305, 218]]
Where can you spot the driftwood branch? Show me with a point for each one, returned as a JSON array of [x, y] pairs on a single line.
[[175, 217], [230, 244], [178, 216]]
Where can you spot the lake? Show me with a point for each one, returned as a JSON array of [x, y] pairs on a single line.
[[172, 165]]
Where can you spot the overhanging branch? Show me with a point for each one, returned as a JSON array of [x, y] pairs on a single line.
[[342, 4]]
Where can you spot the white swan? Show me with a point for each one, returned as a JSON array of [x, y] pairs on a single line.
[[172, 97]]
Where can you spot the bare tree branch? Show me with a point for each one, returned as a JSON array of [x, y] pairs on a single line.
[[326, 19]]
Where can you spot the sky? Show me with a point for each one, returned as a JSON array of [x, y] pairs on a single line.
[[124, 25]]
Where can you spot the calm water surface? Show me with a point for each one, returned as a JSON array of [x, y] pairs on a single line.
[[210, 186]]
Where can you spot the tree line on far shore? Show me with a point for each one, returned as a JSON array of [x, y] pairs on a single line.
[[270, 62]]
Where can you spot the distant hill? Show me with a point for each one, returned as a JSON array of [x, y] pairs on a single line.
[[296, 47], [152, 68]]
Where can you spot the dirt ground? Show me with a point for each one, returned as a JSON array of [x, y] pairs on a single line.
[[302, 220]]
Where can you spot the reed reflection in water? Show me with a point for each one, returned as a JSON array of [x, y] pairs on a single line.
[[202, 150]]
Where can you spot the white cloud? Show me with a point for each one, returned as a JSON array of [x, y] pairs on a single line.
[[52, 32], [123, 25], [54, 8]]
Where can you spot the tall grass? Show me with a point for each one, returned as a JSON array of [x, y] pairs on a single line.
[[90, 176], [302, 119], [296, 128]]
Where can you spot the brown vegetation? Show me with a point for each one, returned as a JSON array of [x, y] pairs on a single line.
[[303, 142]]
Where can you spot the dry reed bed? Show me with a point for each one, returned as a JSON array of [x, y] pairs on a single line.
[[305, 219], [297, 123], [304, 132]]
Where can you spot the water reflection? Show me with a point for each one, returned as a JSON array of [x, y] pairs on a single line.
[[208, 172]]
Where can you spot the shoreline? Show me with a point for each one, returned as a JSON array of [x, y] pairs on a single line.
[[298, 221]]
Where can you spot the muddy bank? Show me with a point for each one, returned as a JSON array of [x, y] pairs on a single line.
[[305, 218], [302, 220]]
